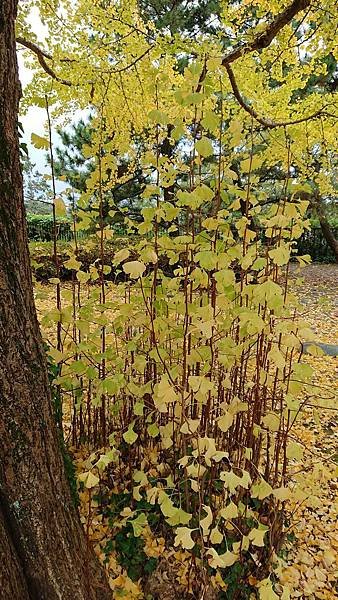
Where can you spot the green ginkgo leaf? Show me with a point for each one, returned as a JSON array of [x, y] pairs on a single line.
[[204, 147], [130, 436]]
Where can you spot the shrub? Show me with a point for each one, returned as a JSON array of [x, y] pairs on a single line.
[[88, 252], [41, 227], [313, 243]]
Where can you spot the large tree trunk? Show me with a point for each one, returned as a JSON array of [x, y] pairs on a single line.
[[44, 554], [326, 229]]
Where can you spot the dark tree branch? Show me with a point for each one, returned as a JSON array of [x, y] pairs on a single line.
[[268, 123], [41, 56], [264, 39]]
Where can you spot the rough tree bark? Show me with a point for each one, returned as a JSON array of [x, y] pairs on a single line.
[[43, 551], [328, 234]]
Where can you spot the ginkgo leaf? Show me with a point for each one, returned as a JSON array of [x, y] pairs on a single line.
[[91, 480], [225, 422], [138, 409], [82, 276], [280, 256], [216, 537], [210, 120], [266, 591], [183, 538], [153, 430], [139, 524], [207, 521], [130, 436], [72, 263], [231, 480], [282, 493], [60, 207], [271, 421], [179, 517], [228, 558], [39, 142], [294, 450], [149, 255], [261, 490], [165, 391], [204, 147], [158, 116], [190, 426], [134, 268], [167, 507], [256, 536], [221, 561], [136, 493], [120, 256], [229, 512], [178, 132]]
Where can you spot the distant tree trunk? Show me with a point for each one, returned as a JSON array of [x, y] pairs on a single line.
[[326, 228], [43, 551]]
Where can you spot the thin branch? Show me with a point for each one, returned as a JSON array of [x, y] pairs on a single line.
[[41, 56], [134, 62], [268, 123]]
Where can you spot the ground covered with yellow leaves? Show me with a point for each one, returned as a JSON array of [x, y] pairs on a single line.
[[307, 565], [312, 552]]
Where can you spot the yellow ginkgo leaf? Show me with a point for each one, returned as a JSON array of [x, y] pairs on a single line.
[[91, 480], [183, 538], [282, 493], [60, 207], [216, 537], [266, 591], [120, 256], [134, 268], [231, 480], [225, 422], [261, 490], [221, 561], [130, 436], [229, 512], [190, 426], [165, 391], [294, 450], [207, 521], [256, 536], [39, 142]]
